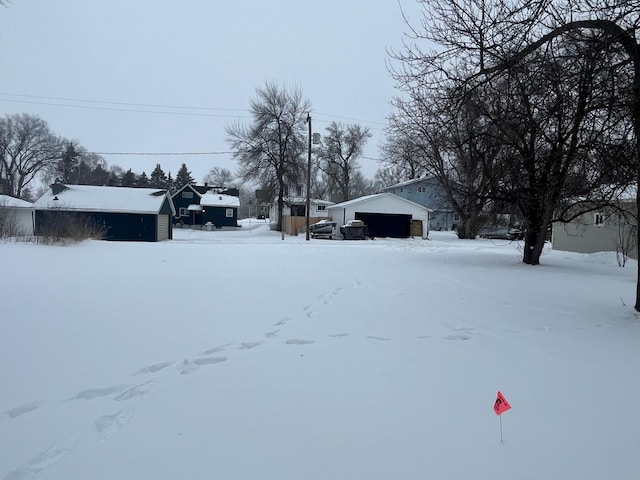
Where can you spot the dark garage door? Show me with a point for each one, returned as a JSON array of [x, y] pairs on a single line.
[[386, 224]]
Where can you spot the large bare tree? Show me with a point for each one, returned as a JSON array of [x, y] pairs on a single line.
[[270, 149], [557, 69], [338, 156], [27, 148]]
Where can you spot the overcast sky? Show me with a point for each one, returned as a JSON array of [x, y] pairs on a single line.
[[113, 75]]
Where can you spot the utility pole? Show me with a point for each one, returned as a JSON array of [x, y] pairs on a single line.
[[308, 206]]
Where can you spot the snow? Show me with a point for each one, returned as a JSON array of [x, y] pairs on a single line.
[[104, 199], [212, 199], [8, 201], [239, 355]]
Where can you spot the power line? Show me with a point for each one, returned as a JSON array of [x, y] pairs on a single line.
[[57, 103], [161, 153], [69, 99], [113, 109]]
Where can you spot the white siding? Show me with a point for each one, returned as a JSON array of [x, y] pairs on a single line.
[[163, 227]]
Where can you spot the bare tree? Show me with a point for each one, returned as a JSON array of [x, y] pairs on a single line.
[[269, 150], [219, 177], [556, 68], [338, 156], [27, 149], [401, 156]]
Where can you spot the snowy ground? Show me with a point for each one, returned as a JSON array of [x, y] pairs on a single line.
[[239, 355]]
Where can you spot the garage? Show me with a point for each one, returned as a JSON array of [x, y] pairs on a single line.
[[385, 214], [386, 224]]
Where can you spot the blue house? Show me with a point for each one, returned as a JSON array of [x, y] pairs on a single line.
[[428, 192], [187, 202], [219, 210]]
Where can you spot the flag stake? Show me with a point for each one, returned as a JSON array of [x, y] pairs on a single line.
[[501, 440]]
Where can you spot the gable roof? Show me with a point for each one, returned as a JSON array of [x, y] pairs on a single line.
[[211, 199], [90, 198], [194, 188], [8, 201], [410, 182], [378, 196]]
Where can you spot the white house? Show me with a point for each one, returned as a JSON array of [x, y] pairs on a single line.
[[606, 229], [385, 214], [16, 216]]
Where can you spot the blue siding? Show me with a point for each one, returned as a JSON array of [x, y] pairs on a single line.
[[429, 193]]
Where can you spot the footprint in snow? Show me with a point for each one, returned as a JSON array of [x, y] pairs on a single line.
[[217, 349], [457, 337], [108, 425], [298, 341], [248, 345], [41, 461], [92, 393], [15, 412], [339, 335], [136, 391], [384, 339], [156, 367]]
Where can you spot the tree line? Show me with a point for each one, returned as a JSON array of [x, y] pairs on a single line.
[[31, 155]]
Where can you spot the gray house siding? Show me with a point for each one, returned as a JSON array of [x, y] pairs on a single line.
[[429, 193], [599, 231]]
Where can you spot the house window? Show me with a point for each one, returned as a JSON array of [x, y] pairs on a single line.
[[321, 208], [298, 190], [285, 190], [456, 217], [187, 194], [422, 189], [598, 219], [184, 212], [229, 212]]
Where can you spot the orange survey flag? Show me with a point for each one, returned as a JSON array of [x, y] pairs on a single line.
[[501, 405]]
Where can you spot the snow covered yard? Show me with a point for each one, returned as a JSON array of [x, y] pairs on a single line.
[[238, 355]]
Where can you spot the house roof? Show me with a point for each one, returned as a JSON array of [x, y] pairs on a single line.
[[194, 188], [376, 196], [409, 182], [211, 199], [8, 201], [90, 198], [303, 201]]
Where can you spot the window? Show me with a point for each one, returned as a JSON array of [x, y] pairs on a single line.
[[422, 189], [184, 212], [298, 190], [285, 190], [321, 208], [229, 212], [598, 219], [187, 194], [456, 217]]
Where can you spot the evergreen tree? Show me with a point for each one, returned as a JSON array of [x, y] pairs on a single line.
[[128, 179], [67, 167], [183, 177], [142, 180], [158, 178]]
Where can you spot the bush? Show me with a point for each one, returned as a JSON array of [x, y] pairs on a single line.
[[63, 228]]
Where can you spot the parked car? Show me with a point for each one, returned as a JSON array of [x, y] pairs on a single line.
[[502, 232]]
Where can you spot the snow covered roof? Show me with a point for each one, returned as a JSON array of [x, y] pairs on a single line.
[[303, 201], [8, 201], [90, 198], [408, 182], [377, 196], [211, 199]]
